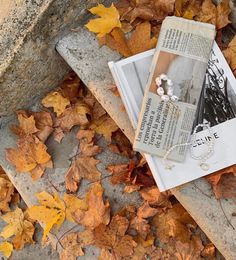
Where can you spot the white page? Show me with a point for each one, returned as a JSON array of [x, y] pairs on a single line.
[[132, 95]]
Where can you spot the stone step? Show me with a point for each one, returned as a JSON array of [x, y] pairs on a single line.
[[81, 51], [53, 179]]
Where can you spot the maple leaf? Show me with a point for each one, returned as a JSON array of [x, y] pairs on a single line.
[[82, 167], [120, 173], [109, 19], [19, 226], [98, 212], [72, 116], [139, 41], [6, 191], [114, 239], [71, 248], [104, 126], [145, 211], [230, 54], [173, 223], [27, 122], [29, 154], [217, 15], [6, 248]]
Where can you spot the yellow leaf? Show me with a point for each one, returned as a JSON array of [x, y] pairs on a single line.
[[6, 248], [56, 101], [72, 204], [19, 226], [109, 19], [51, 211]]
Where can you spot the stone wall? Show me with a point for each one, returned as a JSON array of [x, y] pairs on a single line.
[[29, 64]]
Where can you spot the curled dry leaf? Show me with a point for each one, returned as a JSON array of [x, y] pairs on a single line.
[[145, 211], [109, 19], [209, 252], [6, 191], [56, 101], [82, 167], [230, 54], [98, 212], [27, 122], [141, 225], [120, 173], [78, 114], [187, 9], [18, 226], [6, 248], [30, 155]]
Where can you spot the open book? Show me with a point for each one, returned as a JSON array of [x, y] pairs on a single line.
[[217, 105]]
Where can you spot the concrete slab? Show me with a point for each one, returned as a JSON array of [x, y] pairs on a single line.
[[61, 154], [81, 51]]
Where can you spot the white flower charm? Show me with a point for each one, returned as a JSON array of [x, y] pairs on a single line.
[[160, 90]]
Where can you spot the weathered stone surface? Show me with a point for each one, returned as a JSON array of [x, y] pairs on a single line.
[[81, 51], [29, 64]]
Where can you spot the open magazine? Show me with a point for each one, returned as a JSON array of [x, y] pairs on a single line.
[[217, 105]]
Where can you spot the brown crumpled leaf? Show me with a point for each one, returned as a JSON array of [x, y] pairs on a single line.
[[147, 10], [77, 114], [87, 147], [29, 156], [82, 167], [6, 191], [175, 222], [71, 248], [141, 225], [217, 15], [188, 9], [120, 173], [209, 252], [104, 126], [114, 239], [98, 212], [139, 41], [145, 211], [121, 144], [156, 198], [230, 55], [56, 101]]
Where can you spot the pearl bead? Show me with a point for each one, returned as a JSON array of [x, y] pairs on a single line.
[[169, 82], [165, 98], [160, 91], [163, 77], [174, 98], [158, 81]]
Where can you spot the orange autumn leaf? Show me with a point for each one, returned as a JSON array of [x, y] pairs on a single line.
[[97, 213], [139, 41], [26, 122], [56, 101], [230, 54], [30, 153], [109, 19], [82, 167], [187, 9]]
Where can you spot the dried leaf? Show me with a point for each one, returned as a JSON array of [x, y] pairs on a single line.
[[120, 173], [175, 222], [217, 15], [50, 212], [56, 101], [30, 153], [98, 212], [109, 19], [82, 167], [6, 191], [155, 198], [44, 124], [145, 211], [113, 238], [141, 226], [6, 248], [104, 126], [209, 252], [230, 54], [26, 122], [188, 9], [19, 226], [71, 248], [72, 116]]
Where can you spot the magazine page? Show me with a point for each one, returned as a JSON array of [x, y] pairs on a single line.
[[174, 86], [131, 76]]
